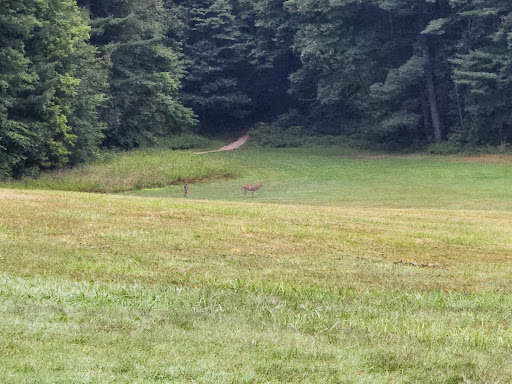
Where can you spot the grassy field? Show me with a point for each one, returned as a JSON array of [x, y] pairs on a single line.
[[344, 268], [333, 176]]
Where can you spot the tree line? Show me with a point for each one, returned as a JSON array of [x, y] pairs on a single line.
[[78, 75]]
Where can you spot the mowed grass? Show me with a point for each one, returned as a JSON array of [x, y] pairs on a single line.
[[356, 281], [337, 176]]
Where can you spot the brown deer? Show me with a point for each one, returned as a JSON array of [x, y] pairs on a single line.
[[252, 188], [186, 190]]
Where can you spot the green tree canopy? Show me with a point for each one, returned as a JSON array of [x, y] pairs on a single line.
[[146, 67], [43, 55]]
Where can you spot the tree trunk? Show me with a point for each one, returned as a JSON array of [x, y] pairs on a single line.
[[431, 91], [425, 112]]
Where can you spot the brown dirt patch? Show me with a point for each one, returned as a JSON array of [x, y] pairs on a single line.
[[234, 145]]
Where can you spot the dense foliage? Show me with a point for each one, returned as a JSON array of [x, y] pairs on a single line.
[[144, 78], [404, 71], [52, 84], [126, 73]]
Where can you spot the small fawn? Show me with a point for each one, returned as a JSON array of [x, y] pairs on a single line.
[[252, 188]]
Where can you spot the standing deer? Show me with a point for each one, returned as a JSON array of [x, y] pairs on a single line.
[[252, 188], [186, 190]]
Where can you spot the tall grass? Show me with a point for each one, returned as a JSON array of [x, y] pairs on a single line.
[[55, 331], [148, 168]]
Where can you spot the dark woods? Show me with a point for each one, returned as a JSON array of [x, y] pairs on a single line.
[[75, 77]]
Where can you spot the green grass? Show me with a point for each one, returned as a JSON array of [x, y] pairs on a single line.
[[342, 269], [62, 332], [148, 168], [332, 176], [189, 141]]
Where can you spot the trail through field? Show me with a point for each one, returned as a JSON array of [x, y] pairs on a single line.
[[234, 145]]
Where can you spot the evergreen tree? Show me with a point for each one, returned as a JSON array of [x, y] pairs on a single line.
[[398, 117], [214, 44], [373, 69], [43, 53], [144, 82], [17, 23], [342, 52], [89, 101], [270, 29], [412, 30], [482, 74]]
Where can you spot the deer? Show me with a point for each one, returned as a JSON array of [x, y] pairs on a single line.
[[186, 189], [252, 188]]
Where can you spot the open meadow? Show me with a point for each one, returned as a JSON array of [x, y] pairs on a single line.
[[345, 267]]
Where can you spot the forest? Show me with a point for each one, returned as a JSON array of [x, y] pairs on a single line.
[[78, 76]]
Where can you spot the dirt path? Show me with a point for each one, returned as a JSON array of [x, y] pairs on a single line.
[[234, 145]]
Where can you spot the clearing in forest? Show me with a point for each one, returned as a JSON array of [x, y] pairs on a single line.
[[343, 268]]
